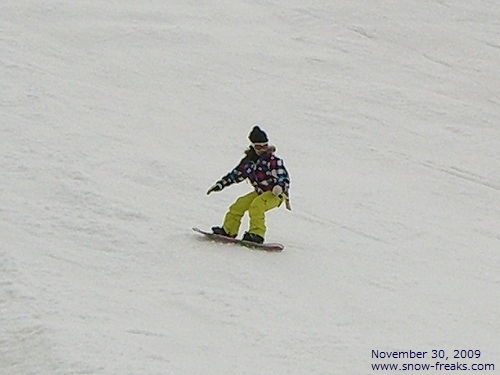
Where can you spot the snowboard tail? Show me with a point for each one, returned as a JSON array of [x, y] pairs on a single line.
[[253, 245]]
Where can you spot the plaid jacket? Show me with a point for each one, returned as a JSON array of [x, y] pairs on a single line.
[[263, 172]]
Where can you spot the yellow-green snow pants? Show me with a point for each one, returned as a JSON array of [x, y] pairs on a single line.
[[256, 205]]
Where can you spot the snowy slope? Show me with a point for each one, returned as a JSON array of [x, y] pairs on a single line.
[[115, 119]]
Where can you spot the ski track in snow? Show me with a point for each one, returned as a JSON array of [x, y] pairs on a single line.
[[115, 118]]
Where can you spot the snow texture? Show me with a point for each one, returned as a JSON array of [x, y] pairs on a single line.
[[117, 116]]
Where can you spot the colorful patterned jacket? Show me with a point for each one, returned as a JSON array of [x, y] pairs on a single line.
[[263, 172]]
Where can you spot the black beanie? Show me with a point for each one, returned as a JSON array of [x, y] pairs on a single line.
[[257, 135]]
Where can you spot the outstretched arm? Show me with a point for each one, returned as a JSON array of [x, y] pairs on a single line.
[[236, 175]]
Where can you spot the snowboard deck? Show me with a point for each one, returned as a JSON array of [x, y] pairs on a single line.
[[274, 247]]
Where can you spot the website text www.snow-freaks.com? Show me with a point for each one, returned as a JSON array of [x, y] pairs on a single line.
[[440, 361], [438, 366]]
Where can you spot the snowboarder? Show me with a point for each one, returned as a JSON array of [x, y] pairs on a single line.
[[269, 177]]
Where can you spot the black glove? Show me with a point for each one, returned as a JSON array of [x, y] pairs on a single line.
[[216, 187]]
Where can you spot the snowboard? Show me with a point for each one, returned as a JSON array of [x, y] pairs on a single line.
[[252, 245]]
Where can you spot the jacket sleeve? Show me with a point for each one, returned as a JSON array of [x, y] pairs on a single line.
[[280, 173], [238, 174]]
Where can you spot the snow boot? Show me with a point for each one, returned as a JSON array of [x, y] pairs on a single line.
[[252, 237], [221, 232]]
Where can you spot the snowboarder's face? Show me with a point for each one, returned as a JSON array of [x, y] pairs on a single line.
[[260, 148]]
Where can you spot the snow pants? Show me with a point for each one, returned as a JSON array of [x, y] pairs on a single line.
[[256, 205]]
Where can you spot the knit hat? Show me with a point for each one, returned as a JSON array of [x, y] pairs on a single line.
[[257, 135]]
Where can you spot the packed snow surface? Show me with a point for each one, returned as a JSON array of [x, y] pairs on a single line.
[[117, 116]]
